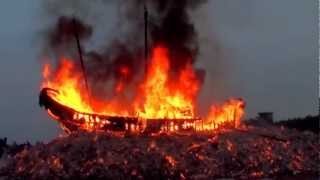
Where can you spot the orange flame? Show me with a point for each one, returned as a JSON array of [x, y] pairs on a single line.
[[46, 71], [163, 100], [69, 85], [230, 113], [159, 96]]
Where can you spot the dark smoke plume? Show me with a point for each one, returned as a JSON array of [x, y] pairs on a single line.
[[61, 38], [169, 25], [174, 28], [63, 33]]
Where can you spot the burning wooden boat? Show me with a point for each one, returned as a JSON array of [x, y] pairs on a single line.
[[73, 120], [164, 108]]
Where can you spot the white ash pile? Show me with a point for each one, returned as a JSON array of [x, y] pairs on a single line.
[[238, 153]]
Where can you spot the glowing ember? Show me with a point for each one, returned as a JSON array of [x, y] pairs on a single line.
[[159, 96]]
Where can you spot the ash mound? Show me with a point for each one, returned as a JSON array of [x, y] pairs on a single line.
[[247, 152]]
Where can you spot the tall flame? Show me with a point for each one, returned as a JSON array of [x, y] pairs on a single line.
[[158, 97], [165, 100]]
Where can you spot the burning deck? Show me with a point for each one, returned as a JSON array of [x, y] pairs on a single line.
[[73, 120]]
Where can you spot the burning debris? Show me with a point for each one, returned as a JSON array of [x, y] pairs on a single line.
[[114, 91], [243, 153]]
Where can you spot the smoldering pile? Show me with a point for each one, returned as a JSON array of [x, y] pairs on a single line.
[[249, 152]]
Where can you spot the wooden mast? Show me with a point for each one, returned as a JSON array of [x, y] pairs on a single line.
[[81, 59], [146, 38]]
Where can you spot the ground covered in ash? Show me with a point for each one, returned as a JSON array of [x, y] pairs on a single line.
[[238, 153]]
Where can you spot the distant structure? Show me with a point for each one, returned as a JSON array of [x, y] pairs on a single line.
[[263, 119], [266, 117], [319, 105]]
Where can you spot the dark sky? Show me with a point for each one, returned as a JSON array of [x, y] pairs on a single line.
[[263, 51]]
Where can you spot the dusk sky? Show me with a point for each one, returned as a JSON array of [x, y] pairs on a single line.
[[263, 51]]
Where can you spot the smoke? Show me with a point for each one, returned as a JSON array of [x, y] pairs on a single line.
[[122, 58], [172, 27], [63, 33]]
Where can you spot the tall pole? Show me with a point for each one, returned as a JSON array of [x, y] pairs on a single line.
[[81, 58], [146, 37]]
